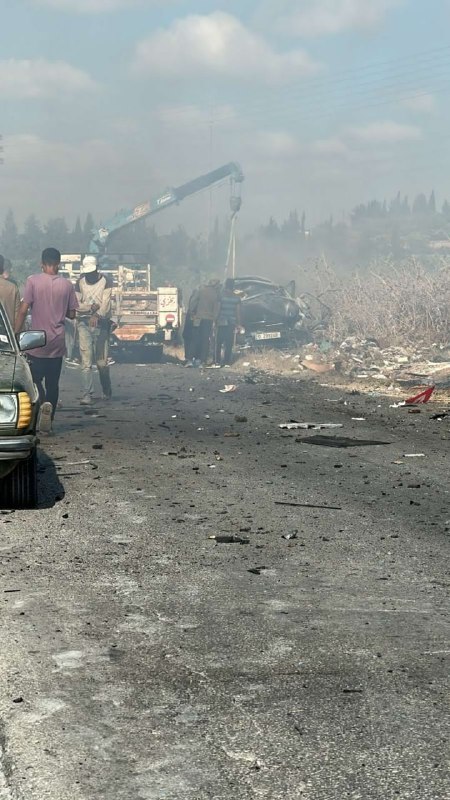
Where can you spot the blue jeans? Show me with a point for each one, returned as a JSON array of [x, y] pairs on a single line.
[[94, 348]]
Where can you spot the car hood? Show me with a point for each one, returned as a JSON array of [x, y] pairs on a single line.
[[15, 375], [7, 371]]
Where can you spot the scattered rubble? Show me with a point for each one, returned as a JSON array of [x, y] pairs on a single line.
[[309, 426], [359, 360]]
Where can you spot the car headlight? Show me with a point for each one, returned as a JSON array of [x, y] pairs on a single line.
[[8, 409]]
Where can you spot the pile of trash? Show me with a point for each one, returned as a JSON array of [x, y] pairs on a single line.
[[364, 359]]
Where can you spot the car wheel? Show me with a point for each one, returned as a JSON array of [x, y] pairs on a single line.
[[19, 488]]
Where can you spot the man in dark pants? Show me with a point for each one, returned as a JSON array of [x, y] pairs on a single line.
[[228, 321], [206, 312], [51, 299]]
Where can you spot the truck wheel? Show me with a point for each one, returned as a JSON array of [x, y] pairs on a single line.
[[19, 488]]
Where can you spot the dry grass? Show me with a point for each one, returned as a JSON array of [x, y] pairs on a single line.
[[396, 305]]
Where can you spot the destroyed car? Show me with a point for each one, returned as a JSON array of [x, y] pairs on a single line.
[[269, 311], [19, 408]]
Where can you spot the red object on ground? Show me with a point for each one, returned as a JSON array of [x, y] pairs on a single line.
[[423, 397]]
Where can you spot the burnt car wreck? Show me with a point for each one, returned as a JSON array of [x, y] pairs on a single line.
[[273, 314]]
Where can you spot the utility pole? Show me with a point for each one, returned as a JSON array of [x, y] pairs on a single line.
[[211, 154]]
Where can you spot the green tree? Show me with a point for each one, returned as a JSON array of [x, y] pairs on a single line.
[[77, 237], [31, 239], [57, 234], [446, 210], [432, 203], [420, 205], [10, 236], [271, 230], [88, 227]]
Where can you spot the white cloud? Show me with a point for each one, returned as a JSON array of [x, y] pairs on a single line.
[[218, 45], [41, 78], [276, 144], [420, 103], [385, 132], [89, 6], [310, 18], [195, 116], [334, 146], [27, 153]]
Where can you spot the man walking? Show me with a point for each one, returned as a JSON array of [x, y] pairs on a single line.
[[51, 299], [228, 321], [205, 315], [94, 294], [9, 294]]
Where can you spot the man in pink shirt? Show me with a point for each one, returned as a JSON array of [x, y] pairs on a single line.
[[51, 299]]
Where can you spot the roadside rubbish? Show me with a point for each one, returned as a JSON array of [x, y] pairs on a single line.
[[340, 441], [225, 539], [306, 505], [239, 418], [232, 435], [422, 397], [440, 415], [256, 570], [314, 426], [290, 536], [231, 387], [318, 367]]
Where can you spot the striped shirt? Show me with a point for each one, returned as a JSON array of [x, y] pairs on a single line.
[[228, 313]]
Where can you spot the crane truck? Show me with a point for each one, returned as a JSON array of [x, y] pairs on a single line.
[[144, 318]]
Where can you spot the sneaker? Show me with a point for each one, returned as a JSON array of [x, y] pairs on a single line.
[[106, 398], [45, 419], [110, 362], [86, 400], [189, 364]]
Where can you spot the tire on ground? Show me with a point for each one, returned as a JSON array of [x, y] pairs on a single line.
[[19, 489]]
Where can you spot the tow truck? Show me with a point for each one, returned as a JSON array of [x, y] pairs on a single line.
[[143, 317]]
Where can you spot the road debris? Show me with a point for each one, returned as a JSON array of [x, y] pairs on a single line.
[[309, 426], [306, 505], [414, 455], [422, 397], [230, 387], [229, 539], [318, 367], [340, 441], [290, 536]]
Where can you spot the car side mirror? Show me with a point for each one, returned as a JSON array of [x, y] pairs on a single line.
[[29, 340]]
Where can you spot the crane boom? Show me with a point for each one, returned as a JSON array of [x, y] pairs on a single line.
[[170, 197]]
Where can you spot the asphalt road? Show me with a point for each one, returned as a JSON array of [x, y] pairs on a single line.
[[141, 660]]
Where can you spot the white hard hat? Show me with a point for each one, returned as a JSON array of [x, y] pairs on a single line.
[[89, 264]]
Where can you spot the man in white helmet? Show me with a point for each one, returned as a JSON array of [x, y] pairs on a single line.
[[94, 292]]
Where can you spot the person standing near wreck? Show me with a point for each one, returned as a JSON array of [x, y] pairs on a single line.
[[205, 316], [51, 299], [229, 320], [94, 294]]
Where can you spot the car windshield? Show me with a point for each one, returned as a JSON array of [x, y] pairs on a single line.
[[6, 343]]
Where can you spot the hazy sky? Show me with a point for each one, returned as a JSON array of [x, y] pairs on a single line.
[[325, 103]]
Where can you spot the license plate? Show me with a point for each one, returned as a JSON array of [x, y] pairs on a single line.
[[260, 336]]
